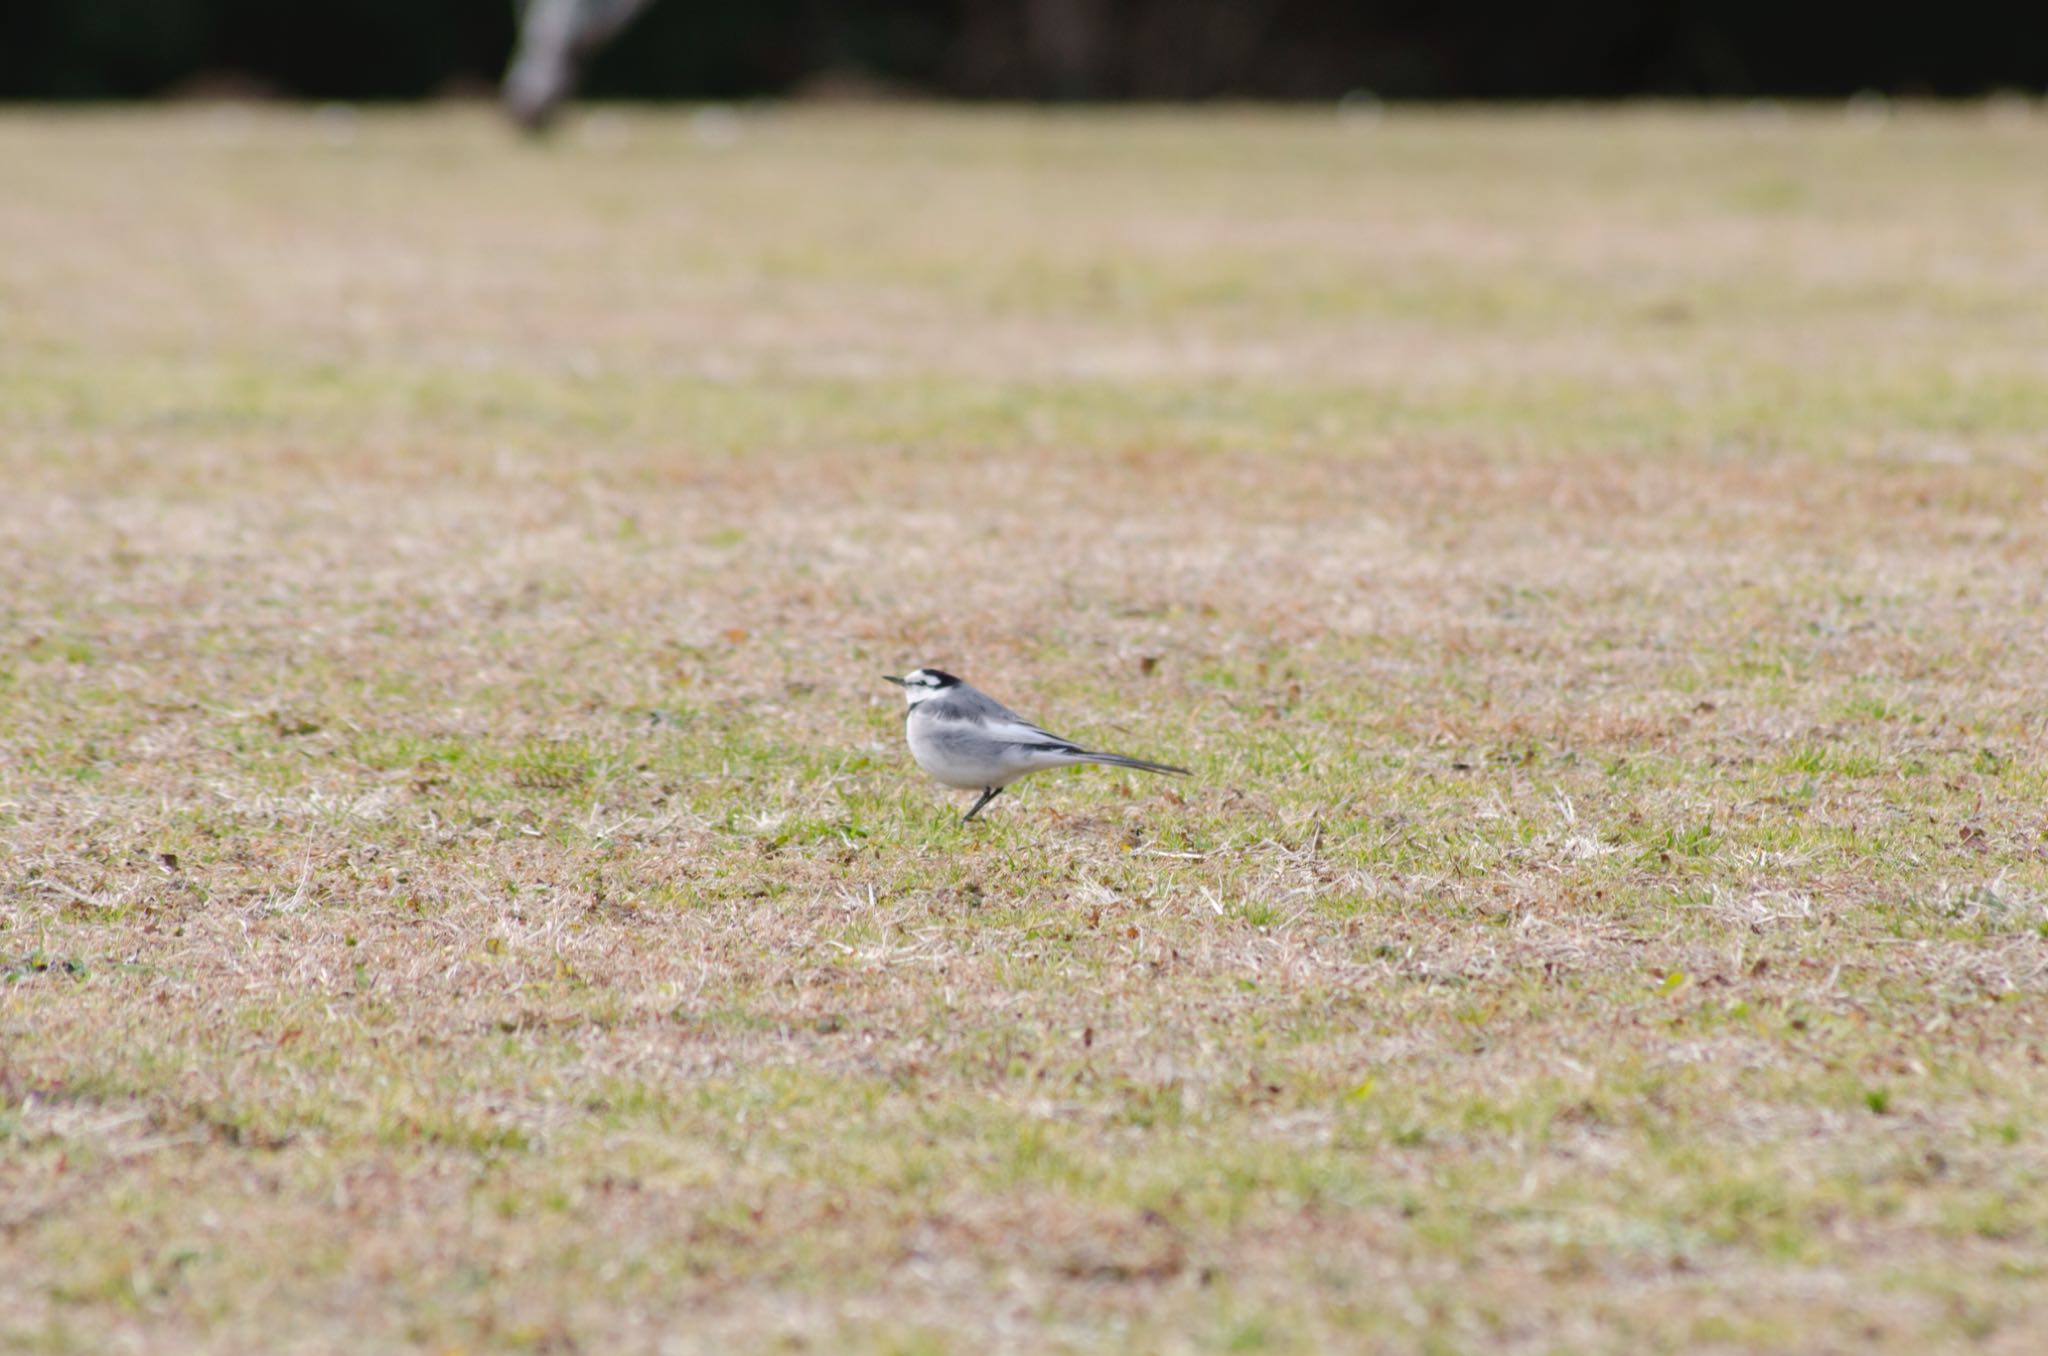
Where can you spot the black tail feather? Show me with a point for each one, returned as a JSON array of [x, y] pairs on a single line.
[[1120, 760]]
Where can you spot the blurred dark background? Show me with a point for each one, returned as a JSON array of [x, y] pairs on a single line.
[[1041, 49]]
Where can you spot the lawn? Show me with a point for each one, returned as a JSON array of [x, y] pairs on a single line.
[[462, 886]]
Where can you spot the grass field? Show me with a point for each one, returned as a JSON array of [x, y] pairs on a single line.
[[462, 886]]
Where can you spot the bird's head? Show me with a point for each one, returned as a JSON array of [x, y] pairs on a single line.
[[920, 684]]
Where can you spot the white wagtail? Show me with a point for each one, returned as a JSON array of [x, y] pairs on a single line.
[[967, 739]]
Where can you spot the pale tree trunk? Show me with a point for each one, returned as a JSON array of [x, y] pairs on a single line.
[[556, 38]]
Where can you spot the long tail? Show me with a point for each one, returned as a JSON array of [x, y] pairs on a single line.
[[1119, 760]]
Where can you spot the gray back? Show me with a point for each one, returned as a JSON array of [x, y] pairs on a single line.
[[966, 703]]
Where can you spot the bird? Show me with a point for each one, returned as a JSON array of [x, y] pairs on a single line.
[[968, 740]]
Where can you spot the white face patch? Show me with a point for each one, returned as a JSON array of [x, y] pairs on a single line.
[[919, 685]]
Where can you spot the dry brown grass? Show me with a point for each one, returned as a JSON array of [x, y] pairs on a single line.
[[463, 888]]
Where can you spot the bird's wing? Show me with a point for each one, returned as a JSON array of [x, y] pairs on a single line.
[[1010, 728], [997, 723]]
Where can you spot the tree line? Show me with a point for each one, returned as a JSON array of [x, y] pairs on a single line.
[[1042, 49]]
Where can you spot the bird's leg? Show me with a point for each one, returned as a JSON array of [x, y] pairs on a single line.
[[988, 793]]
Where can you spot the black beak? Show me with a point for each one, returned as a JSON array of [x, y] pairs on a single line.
[[890, 678]]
